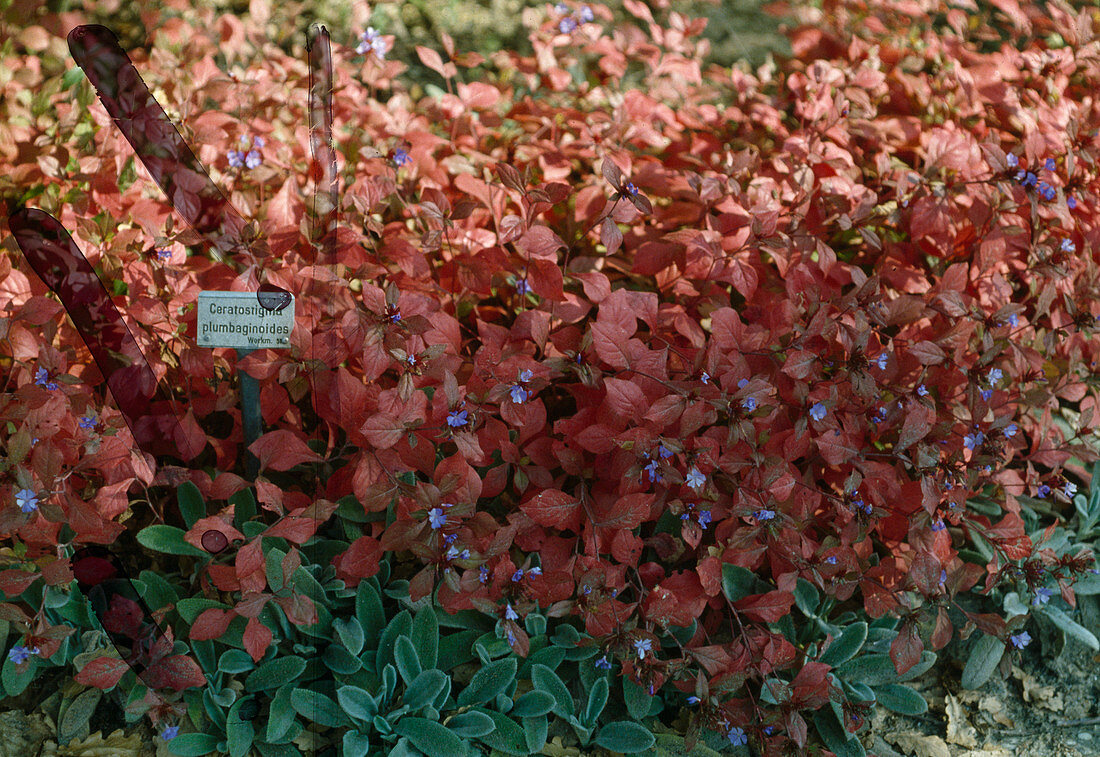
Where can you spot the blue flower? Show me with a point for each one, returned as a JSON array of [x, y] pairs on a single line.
[[88, 421], [164, 255], [483, 574], [519, 394], [561, 8], [170, 732], [1020, 640], [603, 663], [749, 404], [457, 418], [938, 525], [943, 577], [436, 517], [1012, 160], [741, 384], [1013, 320], [662, 452], [883, 360], [769, 730], [986, 394], [518, 575], [831, 559], [641, 646], [258, 142], [867, 509], [1068, 246], [372, 41], [1028, 178], [1070, 489], [509, 613], [525, 375], [704, 518], [1046, 191], [535, 571], [1049, 164], [521, 287], [737, 736], [1042, 596], [511, 637], [1010, 430], [693, 700], [705, 377], [42, 378], [922, 390], [633, 190], [817, 412], [1071, 202], [253, 159], [587, 16], [20, 654], [1044, 490], [695, 479], [236, 158], [654, 473], [401, 157], [974, 440], [567, 25], [27, 500], [995, 375], [764, 514]]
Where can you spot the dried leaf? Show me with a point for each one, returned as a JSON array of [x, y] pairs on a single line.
[[919, 744], [959, 730]]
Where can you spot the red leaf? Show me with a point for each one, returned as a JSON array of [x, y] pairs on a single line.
[[918, 422], [554, 509], [541, 242], [612, 173], [432, 60], [102, 673], [625, 399], [512, 228], [927, 353], [257, 638], [177, 672], [1009, 534], [766, 608], [281, 450], [611, 236], [906, 647], [297, 530], [285, 208], [626, 512], [943, 631], [14, 582], [382, 430], [124, 616], [211, 624], [361, 560], [211, 523], [299, 609]]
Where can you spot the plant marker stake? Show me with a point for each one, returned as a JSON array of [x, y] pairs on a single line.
[[250, 415]]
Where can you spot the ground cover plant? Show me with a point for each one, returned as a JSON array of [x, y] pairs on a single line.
[[701, 414]]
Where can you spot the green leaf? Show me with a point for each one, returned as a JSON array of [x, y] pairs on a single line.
[[846, 646], [357, 702], [316, 707], [878, 669], [75, 720], [273, 562], [901, 699], [737, 582], [350, 633], [638, 700], [471, 724], [1071, 627], [507, 736], [625, 736], [532, 704], [430, 737], [985, 654], [425, 636], [408, 662], [239, 733], [235, 661], [190, 502], [72, 77], [806, 597], [842, 743], [457, 648], [193, 745], [14, 681], [158, 593], [244, 507], [597, 699], [190, 608], [401, 625], [547, 680], [1087, 585], [425, 688], [486, 683], [534, 732], [169, 540], [341, 661], [356, 743], [281, 716], [276, 672]]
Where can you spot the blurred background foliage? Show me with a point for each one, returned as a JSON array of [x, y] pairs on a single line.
[[737, 29]]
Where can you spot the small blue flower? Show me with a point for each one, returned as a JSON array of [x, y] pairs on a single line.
[[704, 518], [258, 142], [922, 390], [27, 500], [831, 559], [764, 514], [693, 700], [1044, 490], [483, 574], [372, 41], [1047, 191], [662, 452], [603, 663], [749, 404], [450, 539], [705, 377], [1012, 160], [509, 613], [236, 158], [883, 361], [42, 378], [995, 375], [1071, 202], [587, 16], [518, 575], [695, 479], [943, 577], [170, 732], [974, 440], [535, 571], [164, 255], [521, 287], [1068, 246], [630, 188], [561, 8], [457, 418], [867, 509], [1029, 179], [737, 736], [525, 375], [1020, 640], [1070, 489], [641, 646], [1013, 320], [1049, 164], [1010, 430], [567, 25], [741, 384], [938, 525], [817, 412], [654, 473], [519, 394], [986, 394], [20, 654], [253, 159], [769, 730], [436, 517], [511, 637], [88, 421], [1042, 596]]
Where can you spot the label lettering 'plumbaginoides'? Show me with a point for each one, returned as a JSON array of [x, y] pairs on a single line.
[[237, 319]]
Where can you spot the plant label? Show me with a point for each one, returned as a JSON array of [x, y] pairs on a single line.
[[245, 320]]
